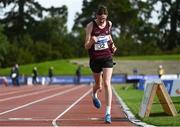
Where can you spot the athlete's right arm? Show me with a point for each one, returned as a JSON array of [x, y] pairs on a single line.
[[89, 40]]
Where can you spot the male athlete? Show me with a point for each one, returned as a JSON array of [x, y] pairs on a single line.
[[100, 47]]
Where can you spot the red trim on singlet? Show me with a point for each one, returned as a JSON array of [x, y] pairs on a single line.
[[96, 31]]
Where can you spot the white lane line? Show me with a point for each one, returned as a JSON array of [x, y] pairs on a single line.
[[17, 91], [19, 119], [39, 100], [71, 106], [29, 94]]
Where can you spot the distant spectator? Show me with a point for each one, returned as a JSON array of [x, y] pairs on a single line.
[[135, 81], [50, 74], [34, 75], [15, 75], [78, 75], [161, 71]]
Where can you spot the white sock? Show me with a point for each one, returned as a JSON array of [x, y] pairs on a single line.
[[94, 95], [108, 110]]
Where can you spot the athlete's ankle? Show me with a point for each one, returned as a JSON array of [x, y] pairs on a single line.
[[108, 110]]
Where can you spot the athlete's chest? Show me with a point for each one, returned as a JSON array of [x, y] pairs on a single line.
[[101, 32]]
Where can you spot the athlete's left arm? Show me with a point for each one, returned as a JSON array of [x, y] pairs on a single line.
[[111, 40]]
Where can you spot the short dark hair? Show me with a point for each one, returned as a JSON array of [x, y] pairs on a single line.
[[102, 10]]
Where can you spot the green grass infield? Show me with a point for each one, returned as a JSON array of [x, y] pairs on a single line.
[[133, 97]]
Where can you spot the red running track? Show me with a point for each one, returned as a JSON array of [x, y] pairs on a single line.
[[55, 105]]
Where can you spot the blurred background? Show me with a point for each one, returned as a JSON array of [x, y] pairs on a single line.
[[34, 31], [42, 42]]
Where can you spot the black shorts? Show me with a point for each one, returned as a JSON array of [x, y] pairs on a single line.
[[97, 65]]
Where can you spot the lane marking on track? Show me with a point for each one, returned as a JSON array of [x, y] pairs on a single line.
[[19, 119], [40, 100], [96, 119], [34, 119], [21, 89], [17, 91], [81, 119], [29, 94], [71, 106], [40, 120]]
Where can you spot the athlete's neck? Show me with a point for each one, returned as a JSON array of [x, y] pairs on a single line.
[[101, 24]]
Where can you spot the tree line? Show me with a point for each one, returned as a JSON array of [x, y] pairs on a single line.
[[31, 33]]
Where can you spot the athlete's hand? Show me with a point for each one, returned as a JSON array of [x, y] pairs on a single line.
[[93, 39], [113, 49]]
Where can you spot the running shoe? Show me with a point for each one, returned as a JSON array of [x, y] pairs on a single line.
[[108, 119], [96, 102]]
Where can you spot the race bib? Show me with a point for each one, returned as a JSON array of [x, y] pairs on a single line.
[[102, 43]]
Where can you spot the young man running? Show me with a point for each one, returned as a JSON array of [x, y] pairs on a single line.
[[100, 47]]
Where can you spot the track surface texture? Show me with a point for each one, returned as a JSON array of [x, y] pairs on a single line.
[[55, 105]]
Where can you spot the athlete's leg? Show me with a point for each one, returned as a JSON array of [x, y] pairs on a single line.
[[98, 82], [97, 72], [107, 74], [96, 88]]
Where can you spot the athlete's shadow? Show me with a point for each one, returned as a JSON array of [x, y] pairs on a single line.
[[117, 119]]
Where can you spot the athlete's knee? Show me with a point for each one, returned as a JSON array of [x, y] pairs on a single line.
[[107, 84]]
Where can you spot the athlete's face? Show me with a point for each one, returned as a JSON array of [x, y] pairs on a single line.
[[101, 18]]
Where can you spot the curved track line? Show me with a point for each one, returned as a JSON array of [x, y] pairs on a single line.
[[60, 115], [39, 100]]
